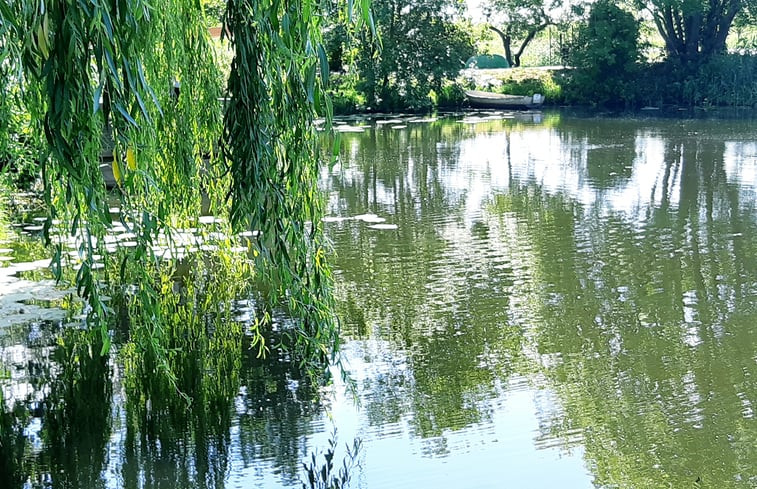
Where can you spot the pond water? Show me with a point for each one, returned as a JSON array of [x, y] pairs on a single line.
[[527, 300]]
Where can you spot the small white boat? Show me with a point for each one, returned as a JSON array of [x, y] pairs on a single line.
[[502, 101]]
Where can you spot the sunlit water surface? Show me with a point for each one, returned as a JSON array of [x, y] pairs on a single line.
[[528, 300]]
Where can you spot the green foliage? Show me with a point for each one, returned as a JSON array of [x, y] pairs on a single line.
[[194, 349], [19, 146], [99, 86], [420, 47], [98, 77], [605, 56], [180, 321], [344, 94], [725, 80], [273, 151], [519, 21], [694, 31], [451, 95]]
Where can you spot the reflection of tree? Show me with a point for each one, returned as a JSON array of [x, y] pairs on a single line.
[[606, 148], [76, 421], [422, 285], [173, 423], [13, 443], [55, 436], [276, 410], [645, 329]]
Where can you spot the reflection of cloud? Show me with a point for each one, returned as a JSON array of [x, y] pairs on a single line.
[[559, 161], [740, 160]]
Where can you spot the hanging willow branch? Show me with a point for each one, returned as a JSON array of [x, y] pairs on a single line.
[[272, 148], [70, 55], [94, 70]]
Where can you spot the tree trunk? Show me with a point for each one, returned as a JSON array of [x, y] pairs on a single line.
[[696, 36], [506, 43], [530, 37]]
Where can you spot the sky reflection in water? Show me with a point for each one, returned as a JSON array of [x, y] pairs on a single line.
[[533, 301]]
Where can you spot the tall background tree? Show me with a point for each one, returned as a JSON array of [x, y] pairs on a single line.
[[694, 31], [518, 22], [420, 44]]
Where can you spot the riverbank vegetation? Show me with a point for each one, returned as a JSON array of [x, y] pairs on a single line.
[[661, 54]]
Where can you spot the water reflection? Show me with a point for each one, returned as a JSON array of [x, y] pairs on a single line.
[[618, 254], [553, 302], [646, 317]]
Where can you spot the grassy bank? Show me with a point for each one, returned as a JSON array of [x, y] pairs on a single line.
[[725, 81]]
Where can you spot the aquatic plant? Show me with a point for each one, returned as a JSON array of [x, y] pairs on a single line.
[[322, 475]]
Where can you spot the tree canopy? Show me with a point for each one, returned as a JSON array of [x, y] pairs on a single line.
[[605, 55], [517, 22], [419, 44], [693, 30]]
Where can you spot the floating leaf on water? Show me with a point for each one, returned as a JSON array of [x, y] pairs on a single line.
[[369, 218], [334, 219], [350, 129], [384, 227], [209, 219]]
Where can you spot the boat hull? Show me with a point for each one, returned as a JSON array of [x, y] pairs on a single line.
[[501, 101]]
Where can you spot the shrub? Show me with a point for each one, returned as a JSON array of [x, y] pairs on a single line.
[[451, 95], [344, 95], [727, 80], [606, 55]]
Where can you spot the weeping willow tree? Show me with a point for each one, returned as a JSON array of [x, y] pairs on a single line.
[[97, 78]]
